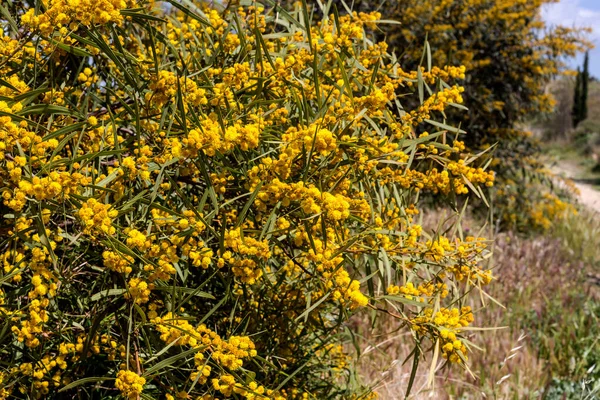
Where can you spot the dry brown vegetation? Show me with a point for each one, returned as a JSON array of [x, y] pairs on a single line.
[[542, 283]]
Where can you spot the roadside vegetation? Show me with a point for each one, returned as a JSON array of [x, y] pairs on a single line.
[[294, 200]]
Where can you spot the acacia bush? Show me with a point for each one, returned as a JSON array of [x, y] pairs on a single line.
[[197, 200]]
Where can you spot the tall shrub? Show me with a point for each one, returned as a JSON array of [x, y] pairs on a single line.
[[196, 201], [580, 110], [585, 86], [577, 106]]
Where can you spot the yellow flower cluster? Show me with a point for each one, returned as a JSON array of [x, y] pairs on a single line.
[[30, 328], [97, 217], [345, 290], [464, 255], [348, 291], [137, 240], [4, 392], [48, 371], [51, 186], [210, 139], [166, 85], [13, 49], [335, 207], [474, 175], [324, 141], [436, 73], [233, 351], [453, 318], [139, 290], [72, 13], [174, 329], [130, 384], [411, 292], [228, 353], [448, 324], [248, 250], [224, 384], [550, 209], [117, 262], [437, 102], [88, 78]]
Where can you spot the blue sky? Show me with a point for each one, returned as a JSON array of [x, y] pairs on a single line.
[[578, 13]]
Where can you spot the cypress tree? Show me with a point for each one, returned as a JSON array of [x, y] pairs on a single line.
[[577, 100], [580, 110], [585, 79]]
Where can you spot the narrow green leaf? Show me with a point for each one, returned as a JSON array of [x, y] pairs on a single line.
[[83, 382], [106, 293]]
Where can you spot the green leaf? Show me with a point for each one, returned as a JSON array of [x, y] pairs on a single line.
[[171, 361], [186, 290], [413, 371], [83, 382], [45, 109], [444, 126], [65, 130], [420, 85], [312, 307], [187, 11], [106, 293], [11, 21], [249, 203], [140, 16], [71, 49]]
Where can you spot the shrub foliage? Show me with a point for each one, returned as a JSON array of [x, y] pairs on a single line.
[[195, 201]]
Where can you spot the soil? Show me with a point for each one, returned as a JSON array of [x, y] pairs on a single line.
[[588, 196]]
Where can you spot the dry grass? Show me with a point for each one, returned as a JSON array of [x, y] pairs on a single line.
[[532, 274]]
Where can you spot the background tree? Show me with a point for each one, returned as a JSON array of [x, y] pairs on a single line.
[[577, 104], [580, 103], [510, 56], [585, 86]]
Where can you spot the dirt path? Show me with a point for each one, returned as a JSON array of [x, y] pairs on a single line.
[[588, 196]]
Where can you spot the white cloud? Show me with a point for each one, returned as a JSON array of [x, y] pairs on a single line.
[[571, 13]]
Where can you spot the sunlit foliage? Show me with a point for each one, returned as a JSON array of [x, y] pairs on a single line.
[[195, 201]]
